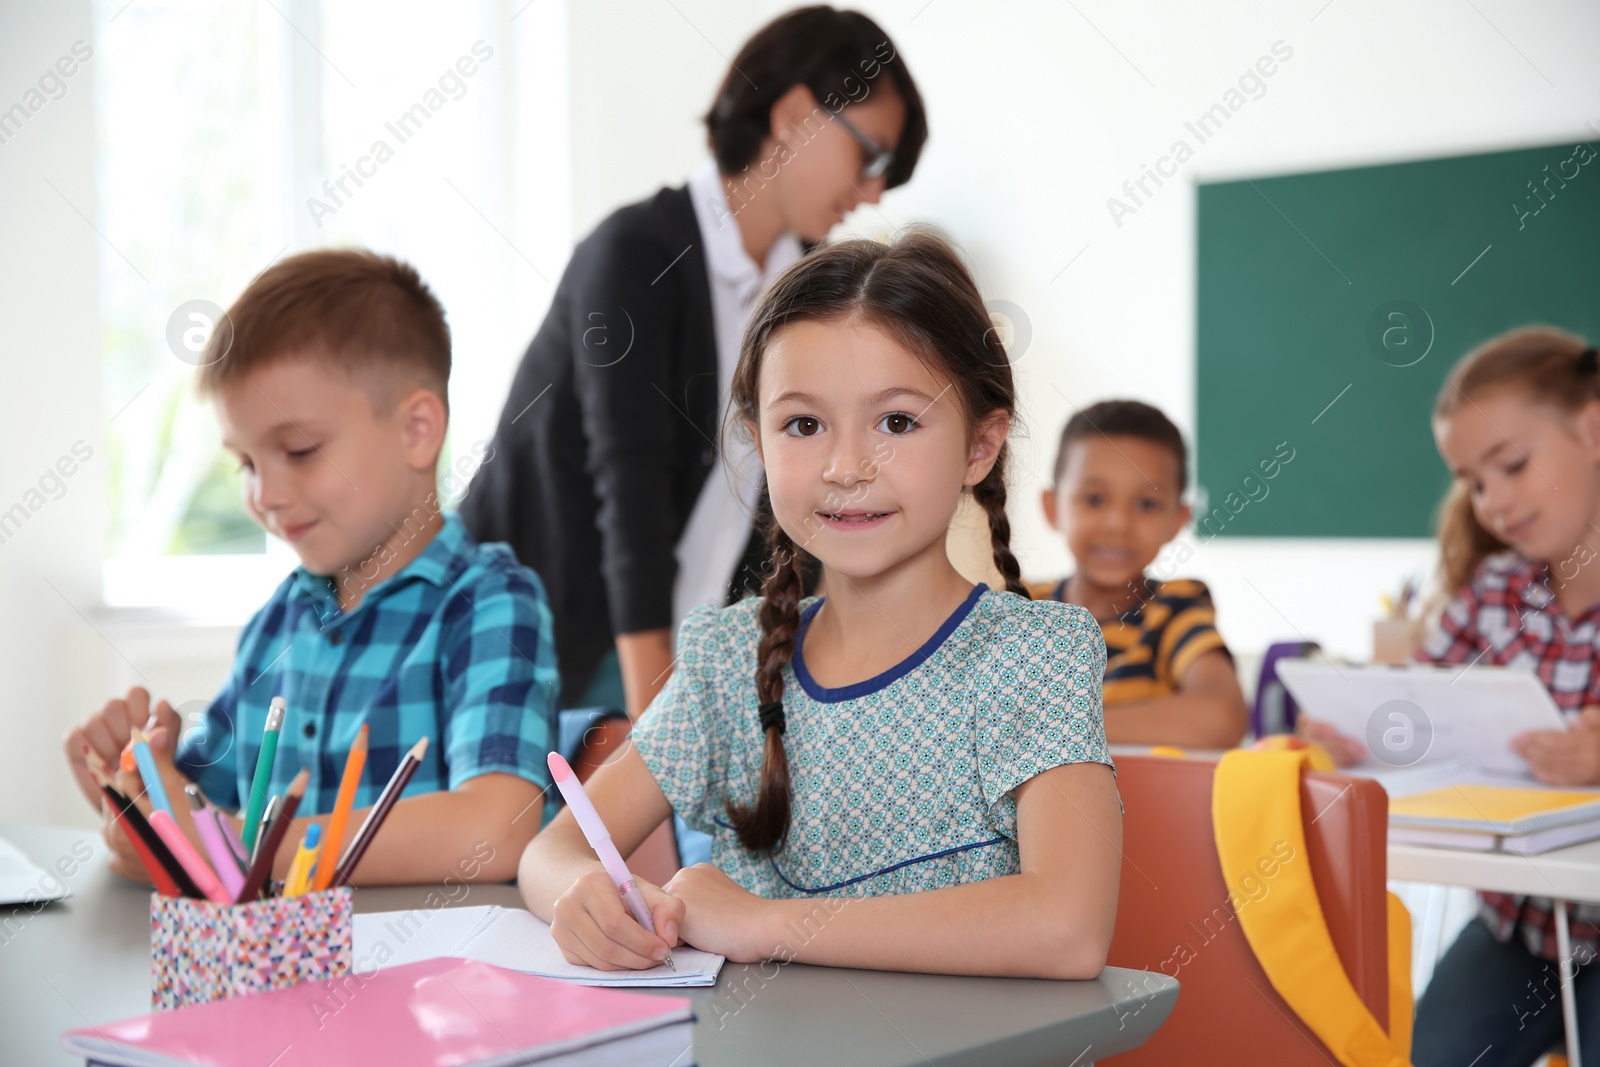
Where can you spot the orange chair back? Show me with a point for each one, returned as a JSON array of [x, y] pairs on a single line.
[[1174, 916]]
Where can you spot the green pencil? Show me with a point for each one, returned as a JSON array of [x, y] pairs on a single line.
[[262, 782]]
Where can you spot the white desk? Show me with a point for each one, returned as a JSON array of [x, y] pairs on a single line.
[[1564, 875], [1571, 873]]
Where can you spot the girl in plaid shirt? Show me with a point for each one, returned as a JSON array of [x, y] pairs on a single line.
[[1518, 423]]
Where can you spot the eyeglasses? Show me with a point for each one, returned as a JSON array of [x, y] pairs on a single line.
[[878, 157]]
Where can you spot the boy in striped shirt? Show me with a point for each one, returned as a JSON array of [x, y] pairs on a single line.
[[1117, 498]]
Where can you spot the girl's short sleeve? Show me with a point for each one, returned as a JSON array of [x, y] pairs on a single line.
[[1041, 707], [677, 736]]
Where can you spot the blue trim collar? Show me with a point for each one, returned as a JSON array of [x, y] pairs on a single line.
[[824, 695]]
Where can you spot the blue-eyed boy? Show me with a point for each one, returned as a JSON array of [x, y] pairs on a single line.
[[329, 383]]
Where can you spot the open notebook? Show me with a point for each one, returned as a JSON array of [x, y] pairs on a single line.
[[506, 937]]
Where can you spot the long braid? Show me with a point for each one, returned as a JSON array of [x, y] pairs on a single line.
[[761, 828], [991, 495]]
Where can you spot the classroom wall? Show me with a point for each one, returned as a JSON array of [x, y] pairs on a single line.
[[49, 338], [1039, 113]]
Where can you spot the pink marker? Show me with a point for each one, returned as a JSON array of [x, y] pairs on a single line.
[[599, 838], [208, 823], [184, 853]]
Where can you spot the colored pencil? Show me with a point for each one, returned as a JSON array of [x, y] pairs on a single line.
[[354, 764], [143, 839], [262, 782], [261, 866], [198, 869], [380, 812], [153, 786]]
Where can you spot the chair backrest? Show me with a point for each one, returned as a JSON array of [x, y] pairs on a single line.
[[1173, 913]]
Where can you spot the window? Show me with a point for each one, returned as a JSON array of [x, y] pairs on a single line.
[[230, 135]]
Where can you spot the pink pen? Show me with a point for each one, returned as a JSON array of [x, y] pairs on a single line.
[[207, 822], [185, 854], [599, 839]]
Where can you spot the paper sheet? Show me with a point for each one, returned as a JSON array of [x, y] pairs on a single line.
[[24, 882], [506, 937], [1417, 716]]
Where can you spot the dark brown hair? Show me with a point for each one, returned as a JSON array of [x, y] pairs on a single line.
[[1124, 418], [1545, 365], [918, 291], [838, 55], [351, 309]]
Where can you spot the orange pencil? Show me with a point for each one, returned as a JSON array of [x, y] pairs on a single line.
[[333, 841]]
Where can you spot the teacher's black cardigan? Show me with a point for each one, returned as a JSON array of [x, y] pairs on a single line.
[[607, 435]]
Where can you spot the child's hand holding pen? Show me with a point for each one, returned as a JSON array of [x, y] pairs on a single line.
[[594, 927], [608, 918]]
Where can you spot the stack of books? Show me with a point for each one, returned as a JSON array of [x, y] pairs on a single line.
[[1495, 818]]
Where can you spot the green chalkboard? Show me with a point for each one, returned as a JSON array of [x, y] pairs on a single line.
[[1331, 306]]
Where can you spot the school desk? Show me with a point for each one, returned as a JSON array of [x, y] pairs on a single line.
[[1565, 875], [86, 960]]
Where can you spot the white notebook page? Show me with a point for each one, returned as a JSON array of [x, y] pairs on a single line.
[[506, 937]]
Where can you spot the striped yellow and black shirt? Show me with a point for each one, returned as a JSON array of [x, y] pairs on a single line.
[[1152, 644]]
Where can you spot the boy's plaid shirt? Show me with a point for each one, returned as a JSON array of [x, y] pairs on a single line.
[[455, 647]]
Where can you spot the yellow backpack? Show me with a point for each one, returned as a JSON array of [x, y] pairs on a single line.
[[1256, 803]]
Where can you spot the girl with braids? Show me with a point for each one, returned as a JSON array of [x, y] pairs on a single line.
[[1518, 423], [931, 750]]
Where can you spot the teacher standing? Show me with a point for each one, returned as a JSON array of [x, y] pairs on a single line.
[[609, 473]]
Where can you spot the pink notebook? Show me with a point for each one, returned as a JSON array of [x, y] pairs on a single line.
[[436, 1013]]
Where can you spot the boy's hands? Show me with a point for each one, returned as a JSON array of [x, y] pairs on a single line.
[[593, 927], [1564, 757], [124, 860], [107, 733]]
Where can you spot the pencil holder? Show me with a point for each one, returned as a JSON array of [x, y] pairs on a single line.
[[1395, 641], [200, 951]]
